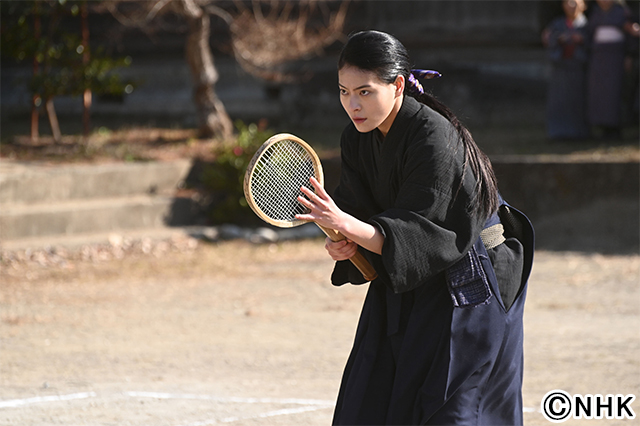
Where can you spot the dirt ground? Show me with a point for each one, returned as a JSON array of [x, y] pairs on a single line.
[[201, 334]]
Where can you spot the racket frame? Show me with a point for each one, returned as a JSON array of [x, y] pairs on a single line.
[[317, 170], [358, 259]]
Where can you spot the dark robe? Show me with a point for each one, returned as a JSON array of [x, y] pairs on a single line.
[[606, 66], [566, 96], [416, 358]]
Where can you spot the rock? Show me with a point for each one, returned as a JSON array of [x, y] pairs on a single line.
[[264, 235], [231, 232]]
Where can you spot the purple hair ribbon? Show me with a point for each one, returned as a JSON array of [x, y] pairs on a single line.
[[426, 74]]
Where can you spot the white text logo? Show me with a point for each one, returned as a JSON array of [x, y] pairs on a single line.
[[558, 406]]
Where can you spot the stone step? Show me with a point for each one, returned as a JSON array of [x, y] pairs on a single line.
[[84, 216], [39, 184], [104, 238]]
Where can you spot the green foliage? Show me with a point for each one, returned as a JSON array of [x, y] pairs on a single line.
[[58, 52], [224, 178]]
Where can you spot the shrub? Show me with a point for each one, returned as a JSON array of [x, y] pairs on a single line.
[[224, 178]]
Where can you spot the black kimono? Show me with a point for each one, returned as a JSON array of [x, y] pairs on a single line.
[[416, 358]]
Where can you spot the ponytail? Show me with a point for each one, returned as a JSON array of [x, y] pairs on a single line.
[[485, 196]]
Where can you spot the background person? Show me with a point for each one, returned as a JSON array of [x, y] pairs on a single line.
[[609, 23], [565, 39]]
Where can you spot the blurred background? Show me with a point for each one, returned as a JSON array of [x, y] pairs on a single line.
[[126, 128], [490, 52], [193, 79]]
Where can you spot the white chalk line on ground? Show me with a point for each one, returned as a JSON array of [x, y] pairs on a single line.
[[282, 412], [51, 398], [162, 395], [308, 405]]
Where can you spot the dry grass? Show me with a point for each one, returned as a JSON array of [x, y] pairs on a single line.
[[153, 143], [127, 144]]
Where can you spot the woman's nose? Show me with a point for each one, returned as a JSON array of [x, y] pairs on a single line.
[[354, 104]]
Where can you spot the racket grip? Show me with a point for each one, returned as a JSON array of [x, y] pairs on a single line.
[[357, 259]]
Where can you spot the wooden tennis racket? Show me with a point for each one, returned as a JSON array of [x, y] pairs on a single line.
[[277, 171]]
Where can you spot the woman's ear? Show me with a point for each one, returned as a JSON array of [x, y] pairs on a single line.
[[399, 83]]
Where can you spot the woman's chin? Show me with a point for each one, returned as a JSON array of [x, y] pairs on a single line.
[[363, 127]]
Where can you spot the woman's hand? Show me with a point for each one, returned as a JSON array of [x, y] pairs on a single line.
[[323, 209], [340, 250]]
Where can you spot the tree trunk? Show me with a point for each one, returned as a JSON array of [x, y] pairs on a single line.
[[53, 120], [86, 112], [86, 96], [35, 112], [35, 117], [213, 120]]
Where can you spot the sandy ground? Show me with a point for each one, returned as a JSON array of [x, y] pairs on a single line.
[[256, 335]]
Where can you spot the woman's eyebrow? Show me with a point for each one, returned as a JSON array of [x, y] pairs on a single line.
[[364, 86]]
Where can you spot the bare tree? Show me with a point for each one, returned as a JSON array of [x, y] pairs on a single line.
[[264, 42], [213, 120], [265, 35]]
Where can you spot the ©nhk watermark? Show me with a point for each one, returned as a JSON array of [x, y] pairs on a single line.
[[558, 406]]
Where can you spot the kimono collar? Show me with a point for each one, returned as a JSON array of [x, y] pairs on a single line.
[[580, 21], [409, 108]]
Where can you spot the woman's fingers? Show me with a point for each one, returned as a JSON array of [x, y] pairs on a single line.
[[313, 202], [319, 195], [321, 208], [313, 197], [335, 245], [305, 217], [305, 202], [343, 255], [340, 250], [319, 188]]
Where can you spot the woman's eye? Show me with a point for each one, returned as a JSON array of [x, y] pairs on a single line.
[[365, 92], [343, 92]]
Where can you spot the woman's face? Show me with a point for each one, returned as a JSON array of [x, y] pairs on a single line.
[[369, 102], [573, 8]]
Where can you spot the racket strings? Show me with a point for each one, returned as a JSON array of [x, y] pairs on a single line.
[[278, 175]]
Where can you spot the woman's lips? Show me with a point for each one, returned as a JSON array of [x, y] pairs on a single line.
[[357, 120]]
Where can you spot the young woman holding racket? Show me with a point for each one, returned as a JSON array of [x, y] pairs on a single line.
[[440, 337]]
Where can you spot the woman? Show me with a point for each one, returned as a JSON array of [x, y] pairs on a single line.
[[440, 335], [609, 26], [565, 39]]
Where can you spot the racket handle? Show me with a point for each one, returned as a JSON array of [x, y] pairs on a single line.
[[357, 259]]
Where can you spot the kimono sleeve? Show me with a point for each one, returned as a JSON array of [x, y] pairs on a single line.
[[430, 226]]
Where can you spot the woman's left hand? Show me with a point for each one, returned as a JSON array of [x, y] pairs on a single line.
[[323, 209]]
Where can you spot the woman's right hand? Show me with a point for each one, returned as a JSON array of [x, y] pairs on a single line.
[[340, 250]]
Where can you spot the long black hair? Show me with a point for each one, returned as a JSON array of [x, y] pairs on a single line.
[[387, 58]]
